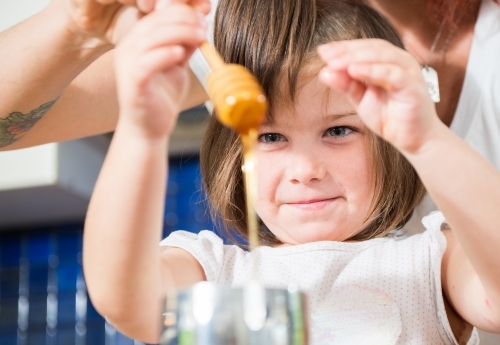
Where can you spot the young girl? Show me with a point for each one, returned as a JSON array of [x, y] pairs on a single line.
[[329, 190]]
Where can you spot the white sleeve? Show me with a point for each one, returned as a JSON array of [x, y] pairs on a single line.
[[206, 247], [433, 224]]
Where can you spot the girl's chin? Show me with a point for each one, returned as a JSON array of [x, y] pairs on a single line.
[[302, 237]]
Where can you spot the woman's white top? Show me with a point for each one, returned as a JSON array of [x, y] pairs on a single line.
[[380, 291], [477, 118]]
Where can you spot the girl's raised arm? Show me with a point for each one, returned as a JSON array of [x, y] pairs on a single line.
[[125, 273], [386, 85]]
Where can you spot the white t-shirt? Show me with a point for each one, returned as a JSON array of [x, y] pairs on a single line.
[[379, 291], [477, 118]]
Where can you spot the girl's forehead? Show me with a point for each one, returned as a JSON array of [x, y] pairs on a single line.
[[312, 100]]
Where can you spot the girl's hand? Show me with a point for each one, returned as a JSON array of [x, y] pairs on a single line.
[[386, 85], [151, 68], [106, 21]]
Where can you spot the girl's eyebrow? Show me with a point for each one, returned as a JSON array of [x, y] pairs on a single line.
[[333, 117], [269, 122]]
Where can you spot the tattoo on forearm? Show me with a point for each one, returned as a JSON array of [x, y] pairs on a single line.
[[14, 126]]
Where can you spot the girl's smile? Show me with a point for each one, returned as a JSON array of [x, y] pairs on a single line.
[[312, 205], [315, 171]]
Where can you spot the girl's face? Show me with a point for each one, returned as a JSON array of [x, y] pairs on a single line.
[[316, 175]]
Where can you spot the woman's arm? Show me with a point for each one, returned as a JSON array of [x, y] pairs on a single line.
[[43, 55], [386, 85], [125, 273], [89, 106]]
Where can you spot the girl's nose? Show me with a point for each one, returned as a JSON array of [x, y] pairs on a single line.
[[306, 168]]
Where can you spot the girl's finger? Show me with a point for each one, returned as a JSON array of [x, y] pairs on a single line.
[[387, 76], [341, 81], [157, 60], [356, 92], [145, 6], [340, 54], [179, 34], [164, 18]]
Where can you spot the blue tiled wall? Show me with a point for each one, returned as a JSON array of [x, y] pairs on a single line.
[[43, 298]]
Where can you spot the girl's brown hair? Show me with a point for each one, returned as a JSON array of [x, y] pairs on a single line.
[[275, 39]]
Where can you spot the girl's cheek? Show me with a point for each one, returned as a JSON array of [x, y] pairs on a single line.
[[268, 175]]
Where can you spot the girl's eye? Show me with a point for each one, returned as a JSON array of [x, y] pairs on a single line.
[[271, 138], [339, 131]]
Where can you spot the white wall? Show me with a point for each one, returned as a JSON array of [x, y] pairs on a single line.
[[15, 11]]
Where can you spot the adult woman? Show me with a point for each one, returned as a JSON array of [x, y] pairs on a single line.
[[461, 40]]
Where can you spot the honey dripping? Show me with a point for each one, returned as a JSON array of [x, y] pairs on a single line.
[[240, 103]]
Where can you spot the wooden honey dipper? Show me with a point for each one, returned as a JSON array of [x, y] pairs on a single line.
[[237, 96], [239, 103]]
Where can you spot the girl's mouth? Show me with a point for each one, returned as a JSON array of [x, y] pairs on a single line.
[[312, 204]]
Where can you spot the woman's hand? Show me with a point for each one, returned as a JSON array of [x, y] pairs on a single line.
[[151, 68], [386, 85], [107, 21]]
